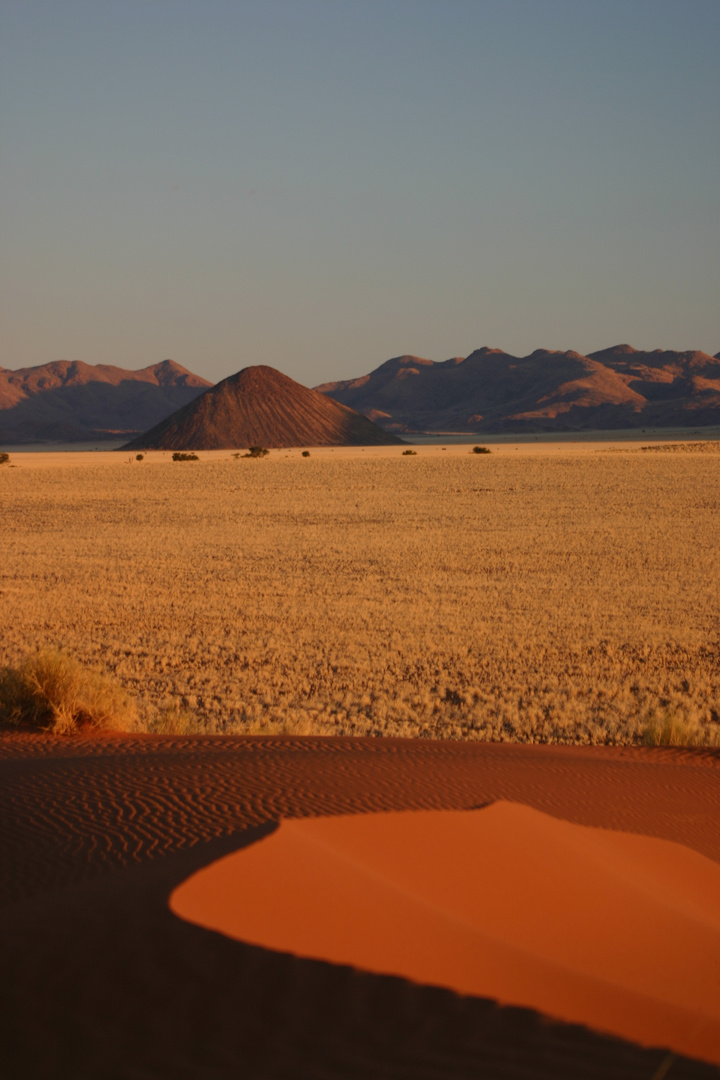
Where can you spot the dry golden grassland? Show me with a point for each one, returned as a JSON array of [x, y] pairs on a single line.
[[542, 597]]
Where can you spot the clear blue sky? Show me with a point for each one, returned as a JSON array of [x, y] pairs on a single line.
[[322, 184]]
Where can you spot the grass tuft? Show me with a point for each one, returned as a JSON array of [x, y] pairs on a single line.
[[175, 721], [673, 730], [287, 726], [50, 691]]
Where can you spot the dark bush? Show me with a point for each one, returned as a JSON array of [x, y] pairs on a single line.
[[256, 451], [407, 453], [139, 457], [481, 450], [306, 453], [179, 456], [4, 458]]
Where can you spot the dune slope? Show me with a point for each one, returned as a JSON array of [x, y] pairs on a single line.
[[613, 930], [100, 980]]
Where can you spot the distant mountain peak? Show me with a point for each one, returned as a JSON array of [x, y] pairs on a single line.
[[169, 373]]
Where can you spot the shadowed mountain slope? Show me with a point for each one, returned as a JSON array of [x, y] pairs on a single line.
[[71, 401], [678, 387], [492, 391], [260, 406]]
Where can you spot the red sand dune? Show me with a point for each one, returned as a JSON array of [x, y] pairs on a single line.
[[99, 980], [616, 931]]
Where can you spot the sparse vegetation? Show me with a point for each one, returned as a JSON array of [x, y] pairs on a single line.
[[174, 720], [409, 453], [568, 599], [50, 691], [4, 458], [481, 449], [179, 455], [674, 729], [257, 452], [705, 447]]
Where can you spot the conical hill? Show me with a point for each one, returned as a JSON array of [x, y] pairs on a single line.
[[260, 406]]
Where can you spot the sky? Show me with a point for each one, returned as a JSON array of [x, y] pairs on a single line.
[[320, 185]]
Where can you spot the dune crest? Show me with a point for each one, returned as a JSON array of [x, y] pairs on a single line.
[[613, 930]]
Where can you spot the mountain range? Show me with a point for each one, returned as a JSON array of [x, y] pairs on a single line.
[[260, 406], [491, 391], [69, 401]]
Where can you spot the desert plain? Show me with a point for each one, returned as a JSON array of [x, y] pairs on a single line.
[[542, 592], [225, 891]]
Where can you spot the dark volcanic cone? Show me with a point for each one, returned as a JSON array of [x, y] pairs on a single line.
[[259, 406]]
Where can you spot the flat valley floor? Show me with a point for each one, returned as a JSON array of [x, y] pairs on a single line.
[[545, 592]]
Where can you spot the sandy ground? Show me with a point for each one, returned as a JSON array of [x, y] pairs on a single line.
[[99, 979]]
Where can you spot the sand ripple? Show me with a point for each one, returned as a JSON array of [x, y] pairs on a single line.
[[100, 981]]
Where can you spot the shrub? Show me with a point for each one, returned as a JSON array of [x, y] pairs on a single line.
[[481, 449], [4, 458], [306, 453], [139, 457], [406, 453], [50, 691], [178, 456], [256, 451]]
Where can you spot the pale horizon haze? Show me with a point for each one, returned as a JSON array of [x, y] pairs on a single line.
[[320, 185]]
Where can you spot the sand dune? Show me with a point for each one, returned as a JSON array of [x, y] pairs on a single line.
[[99, 980], [612, 930]]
